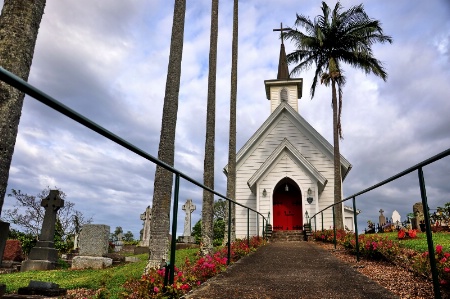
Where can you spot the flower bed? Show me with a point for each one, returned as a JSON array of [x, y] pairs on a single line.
[[378, 246], [190, 275]]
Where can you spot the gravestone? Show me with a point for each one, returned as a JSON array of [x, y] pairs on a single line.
[[418, 215], [396, 218], [146, 217], [44, 255], [4, 231], [93, 245], [188, 207], [381, 218]]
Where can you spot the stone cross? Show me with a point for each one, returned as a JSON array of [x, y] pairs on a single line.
[[52, 203], [146, 217], [188, 207], [381, 218]]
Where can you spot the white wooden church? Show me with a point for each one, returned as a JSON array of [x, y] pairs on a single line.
[[285, 169]]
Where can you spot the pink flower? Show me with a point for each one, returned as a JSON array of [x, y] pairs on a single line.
[[155, 289], [438, 249], [443, 281], [443, 260], [446, 269], [198, 282]]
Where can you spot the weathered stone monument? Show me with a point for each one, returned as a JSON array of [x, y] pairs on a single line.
[[381, 218], [44, 255], [418, 215], [188, 207], [4, 230], [93, 245], [396, 218], [146, 217]]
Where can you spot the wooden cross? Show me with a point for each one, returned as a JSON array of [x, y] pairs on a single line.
[[52, 203], [381, 211], [281, 31]]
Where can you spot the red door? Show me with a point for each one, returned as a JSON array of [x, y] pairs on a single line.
[[287, 209]]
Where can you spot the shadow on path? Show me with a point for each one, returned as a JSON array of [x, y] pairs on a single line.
[[290, 270]]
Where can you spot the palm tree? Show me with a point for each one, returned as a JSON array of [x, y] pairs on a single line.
[[335, 38], [208, 174], [162, 190], [231, 176], [19, 26]]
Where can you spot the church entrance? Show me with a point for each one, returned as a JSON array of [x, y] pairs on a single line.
[[287, 206]]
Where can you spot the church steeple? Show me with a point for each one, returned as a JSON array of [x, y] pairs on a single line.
[[283, 89], [283, 71]]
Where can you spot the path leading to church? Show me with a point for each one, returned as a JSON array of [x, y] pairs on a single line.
[[290, 270]]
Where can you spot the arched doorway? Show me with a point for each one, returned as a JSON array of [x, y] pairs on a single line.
[[287, 206]]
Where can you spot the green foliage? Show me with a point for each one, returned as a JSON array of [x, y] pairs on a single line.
[[27, 241], [128, 236], [218, 228]]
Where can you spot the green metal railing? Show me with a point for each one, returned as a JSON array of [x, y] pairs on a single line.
[[30, 90], [423, 193]]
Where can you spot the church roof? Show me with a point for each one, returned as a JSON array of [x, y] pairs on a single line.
[[298, 158], [318, 140]]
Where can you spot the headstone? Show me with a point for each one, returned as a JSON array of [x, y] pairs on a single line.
[[42, 288], [4, 231], [418, 215], [94, 244], [381, 218], [94, 240], [44, 255], [76, 241], [13, 251], [396, 219], [146, 217], [188, 207]]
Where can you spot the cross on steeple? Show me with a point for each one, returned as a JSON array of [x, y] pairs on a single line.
[[283, 70], [281, 31]]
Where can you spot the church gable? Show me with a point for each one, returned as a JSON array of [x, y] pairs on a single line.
[[286, 123], [286, 148]]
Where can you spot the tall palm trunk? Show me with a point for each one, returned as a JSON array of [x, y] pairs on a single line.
[[337, 160], [162, 192], [19, 26], [208, 174], [231, 179]]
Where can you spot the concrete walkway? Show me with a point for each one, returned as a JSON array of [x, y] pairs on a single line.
[[290, 270]]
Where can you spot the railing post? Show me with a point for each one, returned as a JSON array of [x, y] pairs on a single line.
[[229, 233], [248, 227], [321, 216], [263, 227], [434, 273], [356, 228], [334, 229], [315, 222], [173, 244], [257, 225]]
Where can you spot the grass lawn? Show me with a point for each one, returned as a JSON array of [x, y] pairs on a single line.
[[111, 278], [420, 243]]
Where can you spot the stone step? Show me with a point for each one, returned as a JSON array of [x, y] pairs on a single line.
[[290, 235]]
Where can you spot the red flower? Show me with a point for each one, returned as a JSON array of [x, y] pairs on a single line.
[[401, 234], [438, 249], [412, 233]]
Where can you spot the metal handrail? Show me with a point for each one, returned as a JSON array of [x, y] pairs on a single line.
[[42, 97], [419, 168]]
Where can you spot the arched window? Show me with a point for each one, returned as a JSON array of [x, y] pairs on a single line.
[[284, 95]]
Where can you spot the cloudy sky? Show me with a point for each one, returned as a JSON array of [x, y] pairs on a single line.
[[108, 61]]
